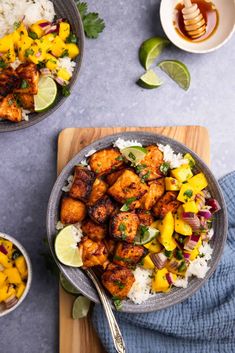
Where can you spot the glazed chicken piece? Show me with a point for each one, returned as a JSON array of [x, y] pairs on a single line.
[[9, 109], [26, 101], [93, 230], [93, 253], [124, 226], [155, 191], [72, 211], [167, 203], [82, 183], [118, 280], [105, 160], [151, 164], [110, 245], [145, 217], [99, 188], [128, 255], [101, 210], [127, 186], [9, 80], [112, 177], [29, 77]]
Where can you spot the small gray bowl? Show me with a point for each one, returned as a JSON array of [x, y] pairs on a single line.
[[4, 312], [64, 9], [160, 300]]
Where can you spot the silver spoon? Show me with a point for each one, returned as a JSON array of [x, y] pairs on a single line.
[[118, 341]]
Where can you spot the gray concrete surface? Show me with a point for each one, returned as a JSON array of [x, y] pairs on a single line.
[[105, 95]]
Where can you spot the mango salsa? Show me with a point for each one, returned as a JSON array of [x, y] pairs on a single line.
[[198, 182], [166, 228], [182, 173]]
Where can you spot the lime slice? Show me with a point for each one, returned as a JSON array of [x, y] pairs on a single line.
[[134, 154], [145, 237], [149, 80], [81, 307], [67, 286], [177, 71], [150, 49], [47, 92], [66, 246]]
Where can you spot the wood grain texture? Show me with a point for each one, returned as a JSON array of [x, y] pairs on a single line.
[[78, 336]]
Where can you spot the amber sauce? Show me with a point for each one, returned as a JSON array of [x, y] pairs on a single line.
[[210, 14]]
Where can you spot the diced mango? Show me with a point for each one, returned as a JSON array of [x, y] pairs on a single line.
[[21, 266], [64, 30], [195, 252], [38, 29], [154, 246], [10, 55], [190, 206], [171, 266], [182, 227], [4, 261], [190, 159], [20, 290], [172, 184], [51, 62], [148, 263], [166, 228], [45, 43], [73, 50], [37, 54], [182, 173], [7, 245], [5, 43], [198, 182], [6, 292], [160, 283], [187, 193], [3, 278], [22, 30], [13, 275], [58, 47], [64, 74]]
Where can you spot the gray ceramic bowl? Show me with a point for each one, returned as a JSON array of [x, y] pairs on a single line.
[[64, 9], [4, 312], [158, 301]]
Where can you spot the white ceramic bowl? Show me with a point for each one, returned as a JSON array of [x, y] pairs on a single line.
[[29, 280], [223, 33]]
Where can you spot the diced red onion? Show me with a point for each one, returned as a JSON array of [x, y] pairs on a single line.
[[60, 81], [173, 264], [1, 54], [38, 54], [51, 29], [191, 242], [169, 278], [213, 203], [207, 194], [44, 24], [192, 219], [60, 20], [159, 260], [200, 200], [10, 302], [205, 213], [3, 249], [45, 71], [186, 256], [204, 224]]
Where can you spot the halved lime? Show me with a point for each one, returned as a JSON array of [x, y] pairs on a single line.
[[66, 246], [145, 237], [177, 71], [81, 307], [47, 92], [68, 287], [150, 49], [149, 80], [134, 154]]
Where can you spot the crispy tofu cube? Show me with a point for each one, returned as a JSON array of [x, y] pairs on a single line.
[[26, 101], [9, 80], [198, 182], [124, 226], [9, 109], [101, 210], [118, 280], [155, 191], [145, 217], [187, 193], [112, 177], [128, 255], [167, 203], [106, 160], [72, 211], [93, 253], [150, 165], [127, 186], [29, 76], [82, 183], [182, 173], [93, 230], [99, 188], [13, 275]]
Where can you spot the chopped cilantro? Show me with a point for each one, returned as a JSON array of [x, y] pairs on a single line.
[[188, 193], [179, 254], [71, 38], [24, 84], [132, 156], [164, 168], [92, 23], [145, 176], [168, 253], [122, 227], [127, 204], [65, 91], [33, 35], [64, 53], [10, 102], [119, 284], [117, 303], [3, 65], [16, 25], [119, 158], [140, 167], [182, 266], [28, 52]]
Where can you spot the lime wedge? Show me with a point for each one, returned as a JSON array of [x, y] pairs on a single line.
[[67, 286], [81, 307], [177, 71], [144, 237], [66, 246], [134, 154], [149, 80], [47, 92], [150, 49]]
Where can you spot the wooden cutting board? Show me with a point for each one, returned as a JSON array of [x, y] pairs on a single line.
[[78, 336]]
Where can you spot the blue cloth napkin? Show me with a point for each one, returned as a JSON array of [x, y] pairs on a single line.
[[204, 323]]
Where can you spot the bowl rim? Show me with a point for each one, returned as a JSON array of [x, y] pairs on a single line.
[[99, 144], [194, 51], [25, 124], [29, 267]]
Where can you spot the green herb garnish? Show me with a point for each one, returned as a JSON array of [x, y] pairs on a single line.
[[24, 84], [182, 266], [168, 253], [127, 204], [33, 35], [28, 52], [92, 23], [179, 254], [117, 303], [64, 53], [16, 25], [71, 38], [3, 65], [188, 193], [119, 284], [65, 91], [164, 168], [140, 167], [145, 176]]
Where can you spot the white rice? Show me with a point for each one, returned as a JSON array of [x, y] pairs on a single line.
[[29, 11], [141, 289], [90, 153], [84, 162], [175, 160], [67, 187], [121, 144], [66, 63], [25, 114], [59, 225], [77, 233]]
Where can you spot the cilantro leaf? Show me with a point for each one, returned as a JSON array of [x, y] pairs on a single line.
[[93, 25], [82, 8]]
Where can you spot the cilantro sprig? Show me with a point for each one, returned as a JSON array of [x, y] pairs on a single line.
[[92, 23]]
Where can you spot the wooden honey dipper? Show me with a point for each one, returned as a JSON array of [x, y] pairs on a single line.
[[194, 21]]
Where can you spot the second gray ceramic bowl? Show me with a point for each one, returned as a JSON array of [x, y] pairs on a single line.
[[160, 300], [68, 10]]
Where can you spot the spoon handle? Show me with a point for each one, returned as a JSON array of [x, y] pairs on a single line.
[[113, 325]]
